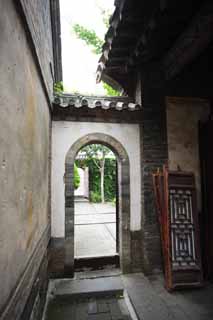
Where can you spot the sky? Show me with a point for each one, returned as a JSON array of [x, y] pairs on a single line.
[[78, 61]]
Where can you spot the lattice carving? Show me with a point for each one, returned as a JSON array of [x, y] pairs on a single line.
[[175, 195], [182, 228]]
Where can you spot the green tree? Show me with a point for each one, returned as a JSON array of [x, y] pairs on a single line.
[[98, 153], [110, 91], [91, 39], [58, 87], [76, 177]]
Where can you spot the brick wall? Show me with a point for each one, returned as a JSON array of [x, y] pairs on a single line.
[[154, 154]]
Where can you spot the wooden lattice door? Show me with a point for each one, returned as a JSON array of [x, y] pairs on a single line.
[[175, 194]]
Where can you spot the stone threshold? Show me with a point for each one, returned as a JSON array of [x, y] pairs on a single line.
[[96, 263], [68, 297]]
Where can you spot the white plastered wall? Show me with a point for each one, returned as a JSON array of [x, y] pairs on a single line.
[[183, 116], [64, 135]]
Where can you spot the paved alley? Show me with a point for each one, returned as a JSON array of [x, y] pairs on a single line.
[[95, 229]]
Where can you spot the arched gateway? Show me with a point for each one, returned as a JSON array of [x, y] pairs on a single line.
[[124, 199]]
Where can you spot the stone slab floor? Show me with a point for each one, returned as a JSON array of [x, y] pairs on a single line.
[[95, 229], [88, 299], [94, 299], [95, 308]]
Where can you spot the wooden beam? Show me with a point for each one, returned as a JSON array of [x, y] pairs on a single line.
[[117, 60], [192, 42]]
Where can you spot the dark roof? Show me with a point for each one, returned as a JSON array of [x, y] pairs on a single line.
[[141, 31]]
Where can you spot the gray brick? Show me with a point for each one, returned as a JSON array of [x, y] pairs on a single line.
[[100, 316], [115, 311], [103, 307], [92, 307]]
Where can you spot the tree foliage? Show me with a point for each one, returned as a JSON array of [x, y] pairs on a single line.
[[91, 39], [110, 91], [76, 177], [94, 151], [58, 87], [97, 153], [89, 36], [95, 179]]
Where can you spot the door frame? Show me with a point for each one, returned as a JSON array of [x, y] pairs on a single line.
[[123, 178]]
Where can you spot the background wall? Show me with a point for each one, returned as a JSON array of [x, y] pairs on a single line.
[[64, 134], [83, 189], [183, 116], [24, 159], [38, 17]]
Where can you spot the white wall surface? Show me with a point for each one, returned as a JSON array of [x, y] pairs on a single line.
[[183, 116], [64, 135]]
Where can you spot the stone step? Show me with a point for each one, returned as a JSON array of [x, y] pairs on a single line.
[[81, 199], [68, 288]]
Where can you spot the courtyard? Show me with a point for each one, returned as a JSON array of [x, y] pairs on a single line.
[[95, 229]]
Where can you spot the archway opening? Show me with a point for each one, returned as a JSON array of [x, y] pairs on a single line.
[[96, 209], [123, 175]]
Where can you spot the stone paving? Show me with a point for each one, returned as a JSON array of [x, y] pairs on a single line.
[[152, 301], [95, 229], [119, 296], [94, 308]]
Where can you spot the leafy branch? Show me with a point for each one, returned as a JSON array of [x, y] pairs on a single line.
[[90, 37], [98, 153], [58, 87]]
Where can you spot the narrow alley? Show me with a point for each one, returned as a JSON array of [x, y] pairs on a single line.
[[109, 102], [95, 229]]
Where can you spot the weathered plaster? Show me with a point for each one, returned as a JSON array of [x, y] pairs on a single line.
[[183, 116], [38, 19], [64, 134], [24, 153]]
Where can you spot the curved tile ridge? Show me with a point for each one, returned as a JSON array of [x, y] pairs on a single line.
[[91, 102]]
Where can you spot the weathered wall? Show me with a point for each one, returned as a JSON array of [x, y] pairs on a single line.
[[38, 18], [183, 116], [24, 165], [83, 189], [64, 134]]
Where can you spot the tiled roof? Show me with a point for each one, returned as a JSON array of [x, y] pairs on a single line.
[[78, 101]]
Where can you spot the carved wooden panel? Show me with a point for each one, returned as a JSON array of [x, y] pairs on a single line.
[[182, 228], [175, 195]]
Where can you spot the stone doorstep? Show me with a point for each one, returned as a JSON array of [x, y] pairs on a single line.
[[72, 289], [110, 288]]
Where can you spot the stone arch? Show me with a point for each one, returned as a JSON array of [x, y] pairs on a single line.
[[124, 199]]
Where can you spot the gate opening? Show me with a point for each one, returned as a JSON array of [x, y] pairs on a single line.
[[96, 217], [123, 258]]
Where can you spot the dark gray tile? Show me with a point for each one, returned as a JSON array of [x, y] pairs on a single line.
[[81, 311], [103, 307], [100, 316], [115, 311], [92, 307]]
